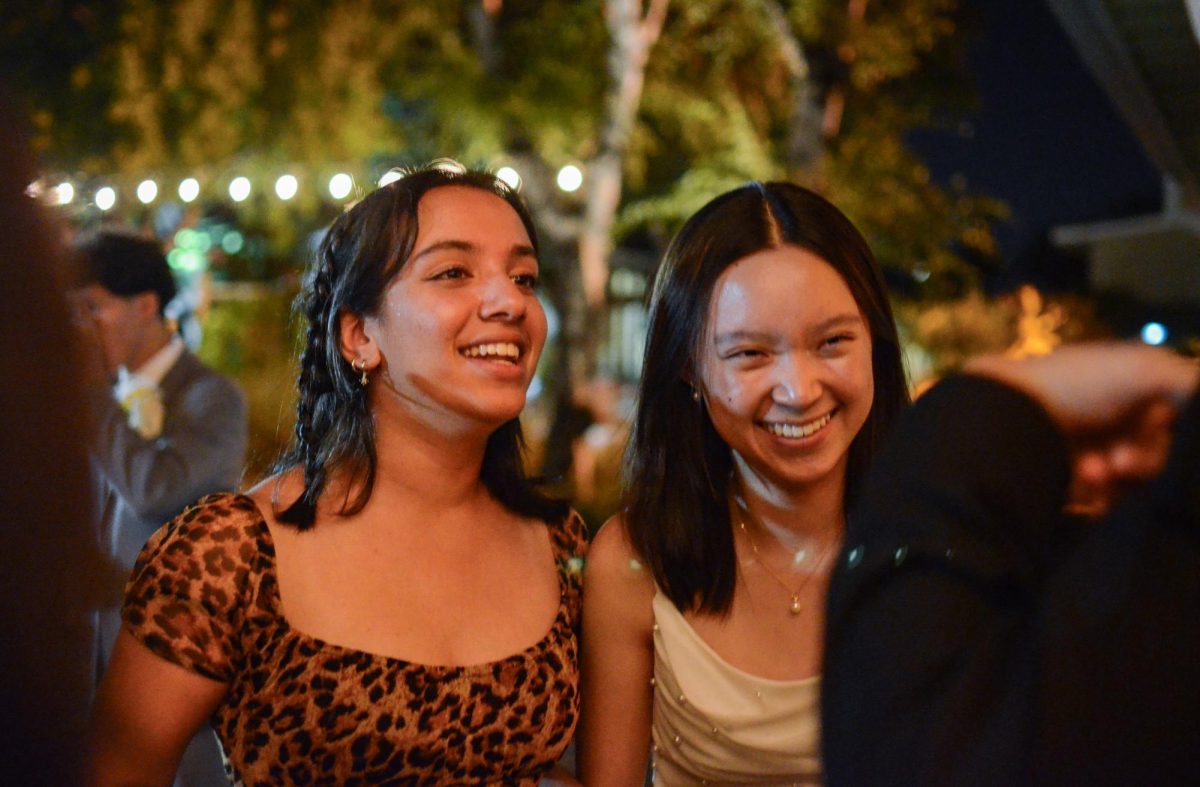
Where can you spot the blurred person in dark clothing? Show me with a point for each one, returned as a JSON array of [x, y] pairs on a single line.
[[51, 571], [979, 636]]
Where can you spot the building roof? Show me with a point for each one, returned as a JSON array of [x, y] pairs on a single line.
[[1146, 56]]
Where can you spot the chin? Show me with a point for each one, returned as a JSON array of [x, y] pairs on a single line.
[[500, 415], [799, 476]]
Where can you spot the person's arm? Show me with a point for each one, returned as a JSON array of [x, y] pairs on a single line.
[[180, 644], [200, 451], [937, 579], [1116, 638], [618, 663], [1114, 403], [146, 711]]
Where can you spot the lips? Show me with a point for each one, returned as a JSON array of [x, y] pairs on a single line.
[[799, 430], [509, 352]]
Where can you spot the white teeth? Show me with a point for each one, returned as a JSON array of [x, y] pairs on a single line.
[[799, 430], [506, 350]]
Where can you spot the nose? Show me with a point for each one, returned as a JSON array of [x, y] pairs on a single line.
[[797, 383], [502, 299]]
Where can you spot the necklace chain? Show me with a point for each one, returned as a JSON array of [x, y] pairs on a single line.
[[794, 607]]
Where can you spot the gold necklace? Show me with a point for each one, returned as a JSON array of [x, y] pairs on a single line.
[[793, 608]]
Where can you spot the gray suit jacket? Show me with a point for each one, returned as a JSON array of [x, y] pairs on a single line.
[[144, 483]]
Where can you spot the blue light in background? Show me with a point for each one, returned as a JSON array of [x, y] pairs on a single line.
[[1154, 333]]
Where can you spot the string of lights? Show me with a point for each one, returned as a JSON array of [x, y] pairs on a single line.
[[106, 193]]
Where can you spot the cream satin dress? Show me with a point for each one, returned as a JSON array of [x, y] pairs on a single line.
[[715, 724]]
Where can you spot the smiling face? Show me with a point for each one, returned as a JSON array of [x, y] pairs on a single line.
[[460, 328], [785, 368]]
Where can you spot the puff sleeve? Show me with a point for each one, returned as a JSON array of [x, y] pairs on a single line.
[[194, 582]]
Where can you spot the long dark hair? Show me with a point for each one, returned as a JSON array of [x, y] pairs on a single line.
[[678, 468], [359, 256]]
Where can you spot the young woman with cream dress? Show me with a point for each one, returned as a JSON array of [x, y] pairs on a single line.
[[772, 369]]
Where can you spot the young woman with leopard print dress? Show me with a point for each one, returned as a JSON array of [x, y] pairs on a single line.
[[397, 604]]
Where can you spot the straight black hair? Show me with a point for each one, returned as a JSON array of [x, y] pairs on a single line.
[[678, 469], [360, 255]]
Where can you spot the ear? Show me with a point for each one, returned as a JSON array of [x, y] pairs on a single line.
[[354, 339], [690, 374], [147, 305]]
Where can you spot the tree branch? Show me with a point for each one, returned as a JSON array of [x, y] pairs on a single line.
[[804, 125]]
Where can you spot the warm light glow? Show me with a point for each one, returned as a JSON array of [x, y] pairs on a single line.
[[189, 189], [147, 190], [286, 187], [570, 178], [448, 165], [509, 176], [340, 185], [1154, 333], [391, 176], [239, 188], [64, 193], [106, 197]]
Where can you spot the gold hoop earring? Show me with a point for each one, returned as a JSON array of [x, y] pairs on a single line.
[[360, 366]]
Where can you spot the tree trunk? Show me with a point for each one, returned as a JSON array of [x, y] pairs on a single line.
[[632, 35], [481, 20], [804, 127]]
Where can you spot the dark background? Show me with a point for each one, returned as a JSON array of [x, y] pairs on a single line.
[[1045, 139]]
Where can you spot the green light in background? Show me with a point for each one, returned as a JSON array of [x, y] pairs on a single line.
[[175, 258], [192, 261], [233, 242], [185, 238]]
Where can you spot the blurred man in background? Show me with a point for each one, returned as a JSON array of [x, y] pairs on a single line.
[[169, 430], [978, 635]]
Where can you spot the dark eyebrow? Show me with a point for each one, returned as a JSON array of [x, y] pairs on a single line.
[[733, 337], [842, 321], [518, 250], [764, 337]]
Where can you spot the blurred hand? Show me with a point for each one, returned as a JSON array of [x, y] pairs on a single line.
[[1106, 465], [1116, 404]]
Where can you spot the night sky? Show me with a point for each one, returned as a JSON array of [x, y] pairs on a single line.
[[1046, 140]]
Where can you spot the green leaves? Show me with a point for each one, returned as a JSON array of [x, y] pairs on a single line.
[[819, 91]]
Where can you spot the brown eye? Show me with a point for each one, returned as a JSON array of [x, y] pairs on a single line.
[[452, 273], [745, 354]]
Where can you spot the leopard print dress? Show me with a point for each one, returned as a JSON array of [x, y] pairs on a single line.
[[302, 711]]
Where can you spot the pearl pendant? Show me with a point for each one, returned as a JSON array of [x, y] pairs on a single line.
[[795, 607]]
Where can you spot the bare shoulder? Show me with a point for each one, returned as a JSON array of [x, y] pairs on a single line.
[[618, 661], [614, 570], [611, 554], [276, 492]]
